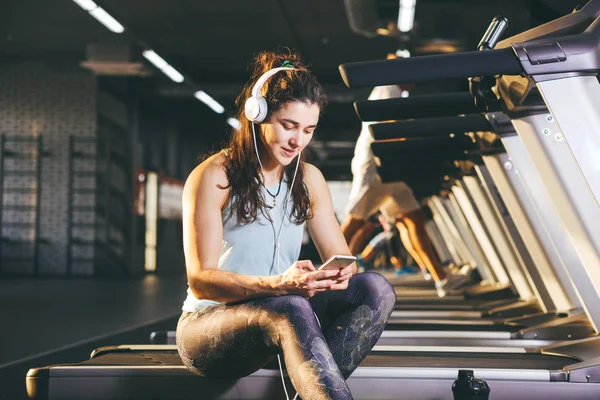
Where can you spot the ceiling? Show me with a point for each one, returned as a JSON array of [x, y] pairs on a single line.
[[212, 43]]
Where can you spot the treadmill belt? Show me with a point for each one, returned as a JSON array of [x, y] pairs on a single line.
[[380, 359], [143, 358], [395, 326], [441, 307], [467, 360]]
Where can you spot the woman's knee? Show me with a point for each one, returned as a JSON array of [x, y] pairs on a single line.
[[375, 285], [293, 308], [292, 320]]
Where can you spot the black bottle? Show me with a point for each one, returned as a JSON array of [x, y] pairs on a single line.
[[467, 387]]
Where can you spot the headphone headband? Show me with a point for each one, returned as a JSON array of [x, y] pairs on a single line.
[[264, 77], [255, 107]]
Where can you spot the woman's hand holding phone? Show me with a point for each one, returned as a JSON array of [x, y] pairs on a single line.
[[303, 279], [343, 265]]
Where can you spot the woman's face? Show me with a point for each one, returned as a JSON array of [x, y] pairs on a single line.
[[289, 130]]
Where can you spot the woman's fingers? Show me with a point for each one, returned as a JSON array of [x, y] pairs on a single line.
[[346, 270], [345, 273], [305, 264], [324, 274], [326, 279], [320, 284], [344, 277], [339, 285]]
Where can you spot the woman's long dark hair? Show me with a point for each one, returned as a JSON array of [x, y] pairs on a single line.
[[243, 170]]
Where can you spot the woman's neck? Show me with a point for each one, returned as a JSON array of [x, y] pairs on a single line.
[[272, 171], [272, 176]]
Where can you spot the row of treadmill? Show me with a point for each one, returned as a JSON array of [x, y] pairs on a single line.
[[511, 173]]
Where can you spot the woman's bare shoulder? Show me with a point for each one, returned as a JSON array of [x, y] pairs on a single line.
[[209, 175], [312, 174]]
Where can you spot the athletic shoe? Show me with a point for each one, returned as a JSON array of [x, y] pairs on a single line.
[[452, 282], [406, 270], [364, 265]]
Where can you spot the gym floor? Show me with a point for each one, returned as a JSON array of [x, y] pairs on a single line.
[[50, 321]]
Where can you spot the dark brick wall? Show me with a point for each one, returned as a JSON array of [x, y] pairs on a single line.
[[114, 134], [115, 179], [54, 101]]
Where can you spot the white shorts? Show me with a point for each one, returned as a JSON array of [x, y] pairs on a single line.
[[368, 195]]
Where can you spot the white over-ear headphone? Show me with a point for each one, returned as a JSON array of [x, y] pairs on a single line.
[[255, 107]]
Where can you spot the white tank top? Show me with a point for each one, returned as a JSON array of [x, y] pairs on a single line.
[[250, 249]]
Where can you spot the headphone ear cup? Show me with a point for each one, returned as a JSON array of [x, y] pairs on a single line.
[[256, 109]]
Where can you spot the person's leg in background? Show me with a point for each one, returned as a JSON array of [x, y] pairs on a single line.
[[408, 245], [394, 255], [399, 204], [395, 247], [363, 202], [378, 245], [415, 236], [358, 232], [404, 207]]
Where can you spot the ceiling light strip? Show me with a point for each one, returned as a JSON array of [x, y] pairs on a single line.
[[164, 66], [209, 101], [406, 15], [234, 123], [101, 15]]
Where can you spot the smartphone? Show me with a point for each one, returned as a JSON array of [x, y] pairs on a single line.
[[338, 262]]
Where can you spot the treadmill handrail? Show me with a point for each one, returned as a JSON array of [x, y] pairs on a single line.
[[427, 106], [430, 127], [428, 68], [450, 146]]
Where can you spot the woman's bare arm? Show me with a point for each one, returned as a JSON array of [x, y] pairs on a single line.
[[324, 228]]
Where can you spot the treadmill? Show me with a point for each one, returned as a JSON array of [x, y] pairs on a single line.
[[448, 217], [557, 372], [565, 322], [495, 290], [474, 307], [568, 322], [568, 311], [156, 372], [523, 125]]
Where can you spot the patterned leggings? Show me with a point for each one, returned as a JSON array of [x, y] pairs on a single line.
[[234, 340]]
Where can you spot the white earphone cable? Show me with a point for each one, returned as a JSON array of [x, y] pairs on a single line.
[[277, 246]]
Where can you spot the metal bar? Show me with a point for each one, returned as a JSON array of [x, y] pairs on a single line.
[[498, 236], [447, 233], [107, 158], [437, 240], [2, 145], [574, 103], [70, 207], [38, 200], [469, 238], [518, 205], [458, 242], [518, 251], [570, 193], [471, 215], [560, 252]]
